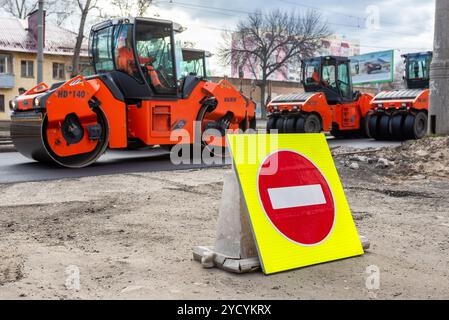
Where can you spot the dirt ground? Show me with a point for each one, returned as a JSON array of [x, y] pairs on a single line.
[[131, 236]]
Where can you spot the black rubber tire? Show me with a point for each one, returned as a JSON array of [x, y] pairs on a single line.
[[421, 125], [135, 145], [300, 125], [337, 134], [345, 134], [409, 124], [290, 125], [271, 124], [384, 129], [397, 127], [280, 125], [218, 152], [415, 127], [373, 126], [253, 123], [313, 124], [363, 131]]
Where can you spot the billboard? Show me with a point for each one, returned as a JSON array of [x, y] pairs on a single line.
[[371, 68]]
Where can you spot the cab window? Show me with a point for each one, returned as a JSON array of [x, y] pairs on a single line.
[[418, 68], [155, 54], [343, 80], [101, 51], [329, 72], [312, 73], [125, 60], [194, 63]]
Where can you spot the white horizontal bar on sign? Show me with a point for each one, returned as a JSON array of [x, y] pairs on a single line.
[[293, 197]]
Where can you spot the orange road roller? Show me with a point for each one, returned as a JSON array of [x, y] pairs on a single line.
[[403, 114], [142, 94]]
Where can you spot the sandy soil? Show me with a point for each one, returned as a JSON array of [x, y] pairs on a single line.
[[131, 237]]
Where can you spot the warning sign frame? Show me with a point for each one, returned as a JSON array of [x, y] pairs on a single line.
[[278, 253]]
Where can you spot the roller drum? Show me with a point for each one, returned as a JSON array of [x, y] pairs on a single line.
[[26, 134]]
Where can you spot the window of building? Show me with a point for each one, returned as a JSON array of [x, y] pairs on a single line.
[[58, 71], [5, 64], [2, 103], [27, 68]]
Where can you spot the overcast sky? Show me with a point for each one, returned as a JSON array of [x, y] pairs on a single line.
[[406, 25]]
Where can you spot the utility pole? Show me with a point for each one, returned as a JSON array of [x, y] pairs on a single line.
[[439, 72], [40, 42]]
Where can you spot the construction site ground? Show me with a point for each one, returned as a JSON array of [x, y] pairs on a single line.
[[131, 235]]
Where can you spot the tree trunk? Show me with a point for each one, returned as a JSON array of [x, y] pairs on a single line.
[[79, 39]]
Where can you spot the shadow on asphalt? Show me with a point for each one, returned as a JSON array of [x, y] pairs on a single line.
[[18, 169]]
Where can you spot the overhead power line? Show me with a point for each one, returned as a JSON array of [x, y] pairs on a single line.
[[226, 11], [233, 12], [297, 4]]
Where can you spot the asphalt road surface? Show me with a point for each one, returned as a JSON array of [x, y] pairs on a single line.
[[16, 168]]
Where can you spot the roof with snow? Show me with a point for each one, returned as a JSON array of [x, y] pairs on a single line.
[[16, 36]]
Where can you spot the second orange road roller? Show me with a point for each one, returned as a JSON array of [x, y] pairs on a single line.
[[140, 95], [328, 104]]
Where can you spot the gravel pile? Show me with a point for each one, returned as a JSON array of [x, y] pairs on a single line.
[[428, 157]]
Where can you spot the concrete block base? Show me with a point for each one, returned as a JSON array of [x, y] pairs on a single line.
[[211, 259], [235, 248]]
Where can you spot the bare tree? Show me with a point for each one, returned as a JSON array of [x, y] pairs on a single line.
[[85, 7], [266, 43], [132, 8], [19, 8], [22, 8]]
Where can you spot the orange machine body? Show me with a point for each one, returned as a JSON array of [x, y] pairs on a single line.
[[347, 116], [154, 122], [401, 100], [160, 122]]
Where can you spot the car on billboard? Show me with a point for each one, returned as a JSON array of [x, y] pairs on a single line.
[[372, 66]]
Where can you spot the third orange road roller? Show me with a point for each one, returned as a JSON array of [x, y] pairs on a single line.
[[140, 95], [403, 114]]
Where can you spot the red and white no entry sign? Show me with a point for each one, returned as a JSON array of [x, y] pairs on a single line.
[[297, 205], [297, 198]]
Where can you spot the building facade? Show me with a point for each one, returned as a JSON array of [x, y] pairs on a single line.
[[18, 58]]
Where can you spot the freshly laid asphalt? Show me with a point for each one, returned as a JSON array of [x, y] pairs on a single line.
[[16, 168]]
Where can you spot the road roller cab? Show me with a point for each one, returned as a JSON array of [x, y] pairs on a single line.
[[328, 103], [143, 94], [195, 62], [403, 114]]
